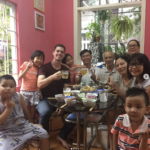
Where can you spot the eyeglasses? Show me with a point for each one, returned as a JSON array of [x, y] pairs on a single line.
[[136, 65], [130, 46]]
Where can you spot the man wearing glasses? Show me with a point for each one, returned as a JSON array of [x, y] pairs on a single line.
[[133, 47]]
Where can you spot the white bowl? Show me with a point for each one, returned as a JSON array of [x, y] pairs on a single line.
[[70, 102], [76, 87], [94, 117], [89, 102], [60, 97], [75, 92]]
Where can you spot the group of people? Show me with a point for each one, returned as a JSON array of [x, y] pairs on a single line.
[[128, 75]]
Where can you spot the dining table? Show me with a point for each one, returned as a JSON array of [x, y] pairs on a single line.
[[79, 108]]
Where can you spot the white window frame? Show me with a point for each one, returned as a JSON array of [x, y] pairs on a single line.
[[13, 45], [77, 22]]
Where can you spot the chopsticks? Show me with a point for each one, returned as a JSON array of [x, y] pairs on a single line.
[[92, 108], [63, 105], [51, 98]]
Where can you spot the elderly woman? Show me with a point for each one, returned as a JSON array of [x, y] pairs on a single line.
[[133, 47], [125, 82]]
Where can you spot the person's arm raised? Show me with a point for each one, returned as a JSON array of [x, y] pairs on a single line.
[[22, 73], [44, 82]]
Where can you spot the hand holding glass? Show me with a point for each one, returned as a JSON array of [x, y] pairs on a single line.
[[84, 71], [64, 74]]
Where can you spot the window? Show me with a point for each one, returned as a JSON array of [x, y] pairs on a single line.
[[8, 40], [90, 6]]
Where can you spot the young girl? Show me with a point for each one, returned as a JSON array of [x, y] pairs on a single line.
[[28, 74], [139, 68], [68, 62], [15, 129]]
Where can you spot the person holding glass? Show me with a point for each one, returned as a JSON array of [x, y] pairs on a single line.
[[50, 82], [90, 73]]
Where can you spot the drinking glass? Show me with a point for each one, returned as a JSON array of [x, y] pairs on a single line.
[[67, 91], [65, 74], [84, 71]]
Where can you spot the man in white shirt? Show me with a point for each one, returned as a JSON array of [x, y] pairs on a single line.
[[92, 72], [109, 70]]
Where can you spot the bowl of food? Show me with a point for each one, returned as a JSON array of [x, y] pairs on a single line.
[[76, 87], [89, 102], [70, 101], [60, 97], [75, 92]]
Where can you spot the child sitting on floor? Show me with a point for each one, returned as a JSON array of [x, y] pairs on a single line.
[[28, 74], [136, 106], [15, 129]]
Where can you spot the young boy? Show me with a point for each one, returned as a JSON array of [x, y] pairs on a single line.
[[134, 121]]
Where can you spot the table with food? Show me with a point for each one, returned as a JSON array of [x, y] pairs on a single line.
[[85, 99]]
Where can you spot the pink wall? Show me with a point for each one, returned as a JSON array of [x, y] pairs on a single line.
[[147, 29], [63, 24], [31, 39]]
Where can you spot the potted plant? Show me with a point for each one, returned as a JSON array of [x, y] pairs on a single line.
[[103, 15], [121, 26], [94, 30]]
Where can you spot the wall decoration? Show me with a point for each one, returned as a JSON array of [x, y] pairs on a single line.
[[39, 21], [39, 4]]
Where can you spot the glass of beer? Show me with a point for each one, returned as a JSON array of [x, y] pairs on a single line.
[[65, 74], [67, 91], [84, 71]]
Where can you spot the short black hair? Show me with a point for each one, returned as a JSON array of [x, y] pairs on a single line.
[[138, 43], [7, 77], [126, 58], [84, 51], [64, 59], [37, 53], [142, 59], [60, 45], [132, 92]]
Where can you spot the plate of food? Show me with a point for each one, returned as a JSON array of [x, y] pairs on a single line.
[[88, 89]]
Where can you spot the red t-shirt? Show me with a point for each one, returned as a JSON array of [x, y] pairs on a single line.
[[56, 86]]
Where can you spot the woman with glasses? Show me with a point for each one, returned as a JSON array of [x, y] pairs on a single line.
[[139, 67], [125, 82], [133, 47]]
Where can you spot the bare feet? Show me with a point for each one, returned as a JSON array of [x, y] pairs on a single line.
[[63, 142]]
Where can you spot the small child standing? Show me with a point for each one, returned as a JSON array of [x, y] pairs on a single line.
[[136, 106], [15, 129], [28, 74]]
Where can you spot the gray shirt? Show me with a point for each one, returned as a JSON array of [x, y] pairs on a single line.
[[104, 73]]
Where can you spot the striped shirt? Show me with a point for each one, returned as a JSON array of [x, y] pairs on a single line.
[[122, 127]]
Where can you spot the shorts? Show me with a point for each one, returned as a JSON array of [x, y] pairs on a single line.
[[31, 98]]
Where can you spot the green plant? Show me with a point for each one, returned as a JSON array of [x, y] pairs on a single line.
[[103, 15], [136, 20], [107, 48], [121, 26], [94, 29]]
